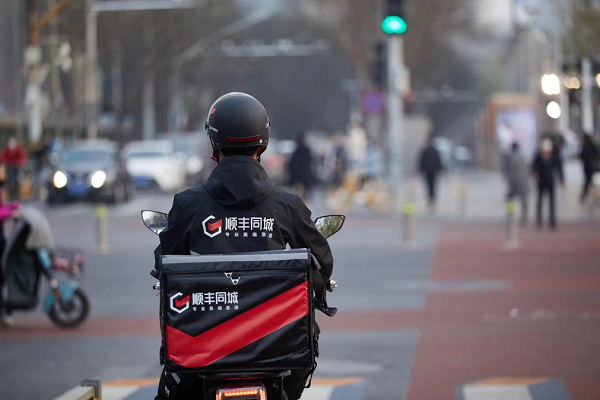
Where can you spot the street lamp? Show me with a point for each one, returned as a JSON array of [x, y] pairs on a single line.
[[553, 110], [572, 83], [550, 84]]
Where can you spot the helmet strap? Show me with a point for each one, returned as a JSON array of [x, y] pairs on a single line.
[[215, 154], [260, 151]]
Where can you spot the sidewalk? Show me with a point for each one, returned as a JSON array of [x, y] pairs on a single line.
[[485, 195], [536, 312]]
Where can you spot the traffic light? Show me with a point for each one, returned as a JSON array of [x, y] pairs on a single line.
[[394, 22], [379, 65]]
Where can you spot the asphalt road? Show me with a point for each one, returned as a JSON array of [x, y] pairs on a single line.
[[414, 324], [121, 339]]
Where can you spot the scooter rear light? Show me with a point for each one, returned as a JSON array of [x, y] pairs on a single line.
[[255, 392]]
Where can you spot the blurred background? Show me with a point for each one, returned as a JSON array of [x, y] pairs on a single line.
[[459, 136]]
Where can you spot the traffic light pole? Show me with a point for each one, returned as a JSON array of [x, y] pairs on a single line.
[[395, 111]]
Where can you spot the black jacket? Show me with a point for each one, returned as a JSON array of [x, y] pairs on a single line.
[[545, 169], [239, 210], [589, 158], [430, 162]]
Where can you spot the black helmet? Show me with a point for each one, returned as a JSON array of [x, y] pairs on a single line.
[[237, 120]]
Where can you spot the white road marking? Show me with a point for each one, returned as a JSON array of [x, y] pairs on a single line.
[[117, 392], [496, 392], [347, 368]]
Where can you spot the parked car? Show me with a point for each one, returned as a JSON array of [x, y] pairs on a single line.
[[195, 151], [92, 170], [155, 164]]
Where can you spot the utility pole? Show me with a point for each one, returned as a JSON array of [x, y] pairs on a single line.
[[149, 88], [33, 58], [91, 83], [563, 121], [587, 83], [57, 95], [117, 86]]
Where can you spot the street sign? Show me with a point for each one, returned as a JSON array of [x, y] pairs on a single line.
[[373, 102]]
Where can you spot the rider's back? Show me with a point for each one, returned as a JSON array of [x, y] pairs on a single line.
[[239, 210]]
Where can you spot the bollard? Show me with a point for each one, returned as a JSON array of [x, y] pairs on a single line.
[[512, 226], [408, 224], [462, 198], [102, 228], [88, 390]]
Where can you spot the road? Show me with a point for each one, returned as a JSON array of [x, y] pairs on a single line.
[[121, 339], [413, 323]]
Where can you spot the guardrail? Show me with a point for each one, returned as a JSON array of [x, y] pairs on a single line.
[[88, 390]]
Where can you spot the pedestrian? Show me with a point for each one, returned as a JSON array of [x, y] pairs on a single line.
[[300, 169], [558, 142], [591, 163], [518, 180], [14, 158], [430, 166], [356, 150], [338, 161], [544, 169]]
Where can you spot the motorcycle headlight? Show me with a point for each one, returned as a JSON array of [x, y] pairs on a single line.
[[98, 179], [60, 180]]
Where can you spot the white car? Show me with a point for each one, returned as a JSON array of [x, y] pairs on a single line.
[[153, 163]]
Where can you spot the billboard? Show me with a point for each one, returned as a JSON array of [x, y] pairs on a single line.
[[517, 124]]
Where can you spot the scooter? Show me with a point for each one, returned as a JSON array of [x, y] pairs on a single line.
[[259, 385], [30, 254]]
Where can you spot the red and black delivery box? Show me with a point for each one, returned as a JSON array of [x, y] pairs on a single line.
[[237, 312]]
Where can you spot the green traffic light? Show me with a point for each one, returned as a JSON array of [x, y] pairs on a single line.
[[393, 25]]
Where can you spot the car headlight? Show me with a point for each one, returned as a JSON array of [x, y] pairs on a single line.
[[60, 180], [98, 179]]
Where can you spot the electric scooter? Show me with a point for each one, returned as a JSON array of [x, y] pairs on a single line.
[[29, 255], [259, 385]]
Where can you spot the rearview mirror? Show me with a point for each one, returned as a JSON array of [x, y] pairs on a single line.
[[155, 221], [329, 225]]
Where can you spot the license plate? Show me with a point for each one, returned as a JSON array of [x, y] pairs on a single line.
[[78, 190]]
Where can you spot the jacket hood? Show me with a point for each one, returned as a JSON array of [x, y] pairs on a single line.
[[239, 182]]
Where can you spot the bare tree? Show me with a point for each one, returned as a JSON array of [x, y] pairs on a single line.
[[583, 33]]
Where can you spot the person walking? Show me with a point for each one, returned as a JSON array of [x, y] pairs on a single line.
[[430, 165], [518, 180], [544, 169], [591, 164], [14, 158], [300, 169]]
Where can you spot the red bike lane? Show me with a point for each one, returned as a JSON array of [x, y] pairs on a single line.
[[543, 321]]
